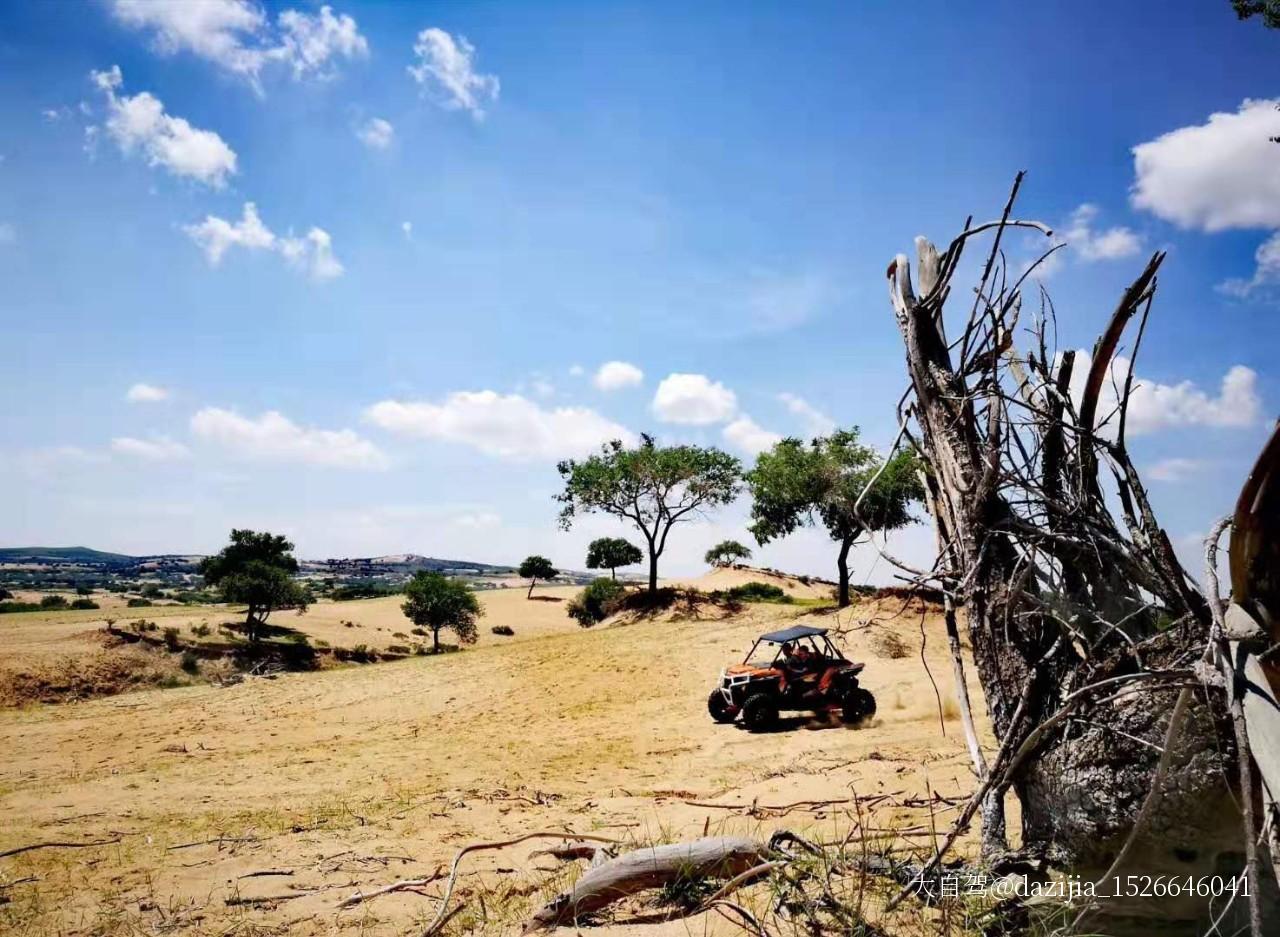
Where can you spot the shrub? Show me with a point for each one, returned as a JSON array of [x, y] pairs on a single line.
[[53, 601], [84, 604], [297, 637], [171, 639], [321, 642], [504, 630], [84, 590], [139, 603], [18, 607], [397, 649], [5, 594], [190, 662], [151, 591], [201, 630], [594, 603], [889, 644], [758, 592]]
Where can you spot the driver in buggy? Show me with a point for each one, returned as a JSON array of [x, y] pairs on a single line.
[[804, 671]]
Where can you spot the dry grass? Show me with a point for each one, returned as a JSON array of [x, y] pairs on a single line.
[[359, 776]]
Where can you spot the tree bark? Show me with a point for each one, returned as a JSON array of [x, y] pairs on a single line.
[[653, 570], [532, 583], [435, 640], [842, 564]]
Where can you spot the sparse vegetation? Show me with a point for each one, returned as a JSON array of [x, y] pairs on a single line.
[[53, 602], [505, 631]]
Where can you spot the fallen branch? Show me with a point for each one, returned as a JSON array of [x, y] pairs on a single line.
[[55, 845], [443, 915], [650, 867], [401, 885]]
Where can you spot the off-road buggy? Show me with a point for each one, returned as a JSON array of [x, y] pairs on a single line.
[[817, 679]]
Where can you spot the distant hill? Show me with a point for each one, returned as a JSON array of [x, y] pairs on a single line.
[[401, 563], [79, 555], [84, 556]]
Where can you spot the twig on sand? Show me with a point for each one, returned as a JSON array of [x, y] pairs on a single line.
[[402, 885], [56, 845], [217, 839]]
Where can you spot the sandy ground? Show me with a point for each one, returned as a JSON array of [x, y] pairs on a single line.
[[256, 808]]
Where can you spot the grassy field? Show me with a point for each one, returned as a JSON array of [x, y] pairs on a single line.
[[256, 808]]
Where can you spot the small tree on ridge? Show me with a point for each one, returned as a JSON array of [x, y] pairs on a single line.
[[534, 568], [726, 553], [435, 601], [611, 552]]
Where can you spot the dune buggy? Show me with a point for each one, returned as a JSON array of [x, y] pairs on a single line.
[[805, 672]]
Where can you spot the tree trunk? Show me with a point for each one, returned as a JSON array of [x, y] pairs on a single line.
[[613, 572], [842, 563], [529, 594], [1082, 781], [435, 636], [653, 570]]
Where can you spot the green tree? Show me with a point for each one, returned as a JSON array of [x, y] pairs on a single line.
[[435, 601], [795, 485], [1269, 10], [726, 553], [256, 569], [611, 552], [654, 487], [534, 568]]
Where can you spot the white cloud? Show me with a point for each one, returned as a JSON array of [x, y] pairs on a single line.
[[1175, 469], [1154, 406], [507, 426], [146, 393], [576, 370], [309, 43], [140, 124], [693, 399], [816, 423], [312, 253], [376, 133], [273, 437], [8, 233], [616, 375], [745, 435], [159, 449], [1111, 244], [1217, 175], [1266, 275], [236, 36], [445, 70], [407, 228]]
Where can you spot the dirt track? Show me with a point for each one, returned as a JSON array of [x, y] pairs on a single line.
[[364, 775]]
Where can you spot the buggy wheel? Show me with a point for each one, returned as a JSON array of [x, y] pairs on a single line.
[[760, 712], [859, 705], [720, 708]]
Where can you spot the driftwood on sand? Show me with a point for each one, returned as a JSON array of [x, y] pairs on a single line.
[[650, 867]]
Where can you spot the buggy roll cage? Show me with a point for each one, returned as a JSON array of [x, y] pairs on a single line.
[[815, 638]]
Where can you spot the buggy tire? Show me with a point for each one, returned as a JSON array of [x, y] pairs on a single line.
[[760, 712], [859, 705], [720, 709]]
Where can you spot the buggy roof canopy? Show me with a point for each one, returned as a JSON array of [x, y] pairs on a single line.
[[791, 634]]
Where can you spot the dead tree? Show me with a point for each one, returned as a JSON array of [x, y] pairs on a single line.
[[1084, 626]]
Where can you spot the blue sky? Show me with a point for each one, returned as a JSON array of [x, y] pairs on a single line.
[[462, 211]]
